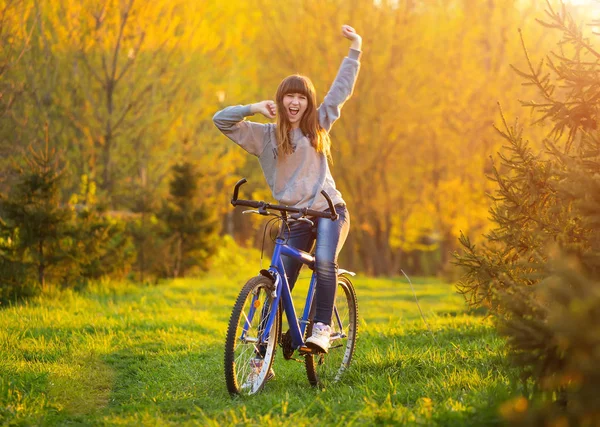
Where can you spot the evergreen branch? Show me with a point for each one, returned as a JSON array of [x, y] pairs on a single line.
[[567, 25], [534, 76]]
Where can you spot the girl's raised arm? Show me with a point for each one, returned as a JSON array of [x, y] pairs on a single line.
[[343, 85]]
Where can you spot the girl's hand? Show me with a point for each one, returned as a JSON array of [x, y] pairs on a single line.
[[351, 34], [266, 108]]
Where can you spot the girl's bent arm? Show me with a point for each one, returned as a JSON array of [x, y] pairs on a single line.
[[248, 135]]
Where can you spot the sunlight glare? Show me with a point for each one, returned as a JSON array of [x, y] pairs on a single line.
[[589, 6]]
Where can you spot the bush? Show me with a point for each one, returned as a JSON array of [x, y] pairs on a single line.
[[16, 281], [44, 241], [234, 261], [104, 245]]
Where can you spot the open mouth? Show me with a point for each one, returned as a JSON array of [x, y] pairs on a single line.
[[294, 111]]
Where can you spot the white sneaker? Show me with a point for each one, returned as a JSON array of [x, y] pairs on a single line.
[[255, 368], [319, 340]]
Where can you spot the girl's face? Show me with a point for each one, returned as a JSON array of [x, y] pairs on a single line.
[[295, 105]]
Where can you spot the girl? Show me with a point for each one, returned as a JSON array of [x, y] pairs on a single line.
[[294, 156]]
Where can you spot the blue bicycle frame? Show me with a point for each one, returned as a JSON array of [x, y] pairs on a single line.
[[283, 294]]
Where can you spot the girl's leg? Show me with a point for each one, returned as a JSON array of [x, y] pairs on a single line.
[[331, 236], [300, 235]]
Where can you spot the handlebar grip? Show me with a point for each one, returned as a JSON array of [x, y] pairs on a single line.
[[236, 190], [334, 214]]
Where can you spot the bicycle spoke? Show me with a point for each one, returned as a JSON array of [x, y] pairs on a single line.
[[242, 353]]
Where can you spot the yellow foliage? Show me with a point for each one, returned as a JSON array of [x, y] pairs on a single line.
[[513, 410], [411, 148]]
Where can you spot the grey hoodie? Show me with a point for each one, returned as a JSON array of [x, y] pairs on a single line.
[[295, 179]]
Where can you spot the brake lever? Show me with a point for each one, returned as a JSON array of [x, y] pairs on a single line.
[[264, 213], [306, 220], [299, 216]]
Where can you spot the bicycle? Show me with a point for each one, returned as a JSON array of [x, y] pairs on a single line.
[[255, 324]]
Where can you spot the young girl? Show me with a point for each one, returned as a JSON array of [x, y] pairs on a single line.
[[294, 156]]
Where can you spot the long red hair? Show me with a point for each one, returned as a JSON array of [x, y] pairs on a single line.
[[319, 138]]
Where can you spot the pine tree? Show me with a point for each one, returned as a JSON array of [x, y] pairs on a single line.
[[538, 270], [100, 242], [34, 221], [144, 229], [189, 224]]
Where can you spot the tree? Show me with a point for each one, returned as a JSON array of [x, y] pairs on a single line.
[[15, 33], [99, 241], [538, 270], [190, 227], [124, 60], [33, 217], [14, 40]]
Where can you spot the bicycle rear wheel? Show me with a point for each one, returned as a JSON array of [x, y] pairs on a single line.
[[249, 348], [323, 369]]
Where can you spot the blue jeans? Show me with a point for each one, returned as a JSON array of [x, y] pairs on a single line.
[[330, 237]]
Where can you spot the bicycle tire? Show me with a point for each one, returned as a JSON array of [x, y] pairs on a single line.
[[326, 368], [241, 349]]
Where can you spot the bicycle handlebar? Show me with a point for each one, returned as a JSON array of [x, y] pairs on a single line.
[[263, 206]]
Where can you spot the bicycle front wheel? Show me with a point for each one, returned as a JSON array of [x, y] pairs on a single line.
[[323, 369], [250, 347]]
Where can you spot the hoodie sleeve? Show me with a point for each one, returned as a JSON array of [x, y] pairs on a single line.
[[340, 91], [248, 135]]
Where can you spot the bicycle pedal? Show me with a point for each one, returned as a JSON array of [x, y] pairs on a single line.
[[304, 350], [315, 349], [311, 350]]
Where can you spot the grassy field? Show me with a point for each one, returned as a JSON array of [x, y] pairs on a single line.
[[126, 355]]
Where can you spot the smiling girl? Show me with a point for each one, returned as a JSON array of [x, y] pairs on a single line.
[[294, 154]]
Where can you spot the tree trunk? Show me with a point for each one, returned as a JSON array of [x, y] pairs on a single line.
[[41, 266], [229, 223], [142, 258], [178, 256], [108, 139]]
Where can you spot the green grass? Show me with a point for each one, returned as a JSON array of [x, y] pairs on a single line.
[[126, 355]]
